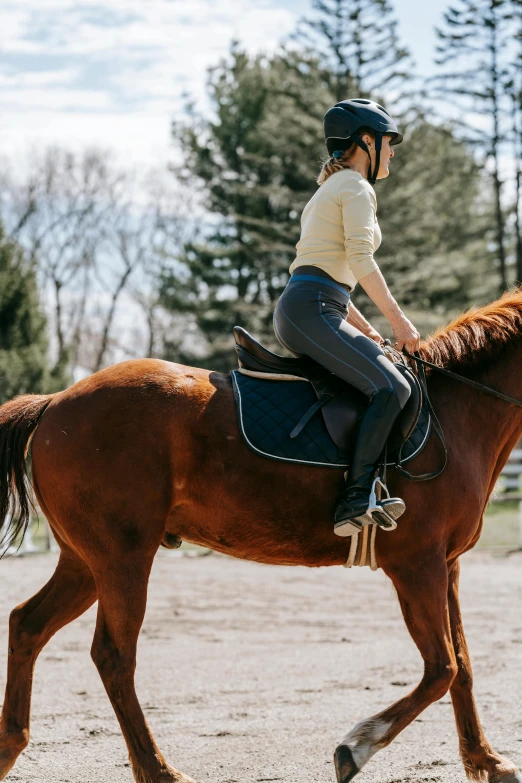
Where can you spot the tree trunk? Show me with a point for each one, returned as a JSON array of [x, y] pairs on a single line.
[[495, 152], [110, 317]]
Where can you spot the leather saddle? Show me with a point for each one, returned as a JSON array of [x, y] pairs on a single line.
[[341, 404]]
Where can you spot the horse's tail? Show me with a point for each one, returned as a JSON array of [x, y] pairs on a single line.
[[18, 420]]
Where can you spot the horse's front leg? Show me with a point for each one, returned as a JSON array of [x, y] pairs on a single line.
[[480, 760], [423, 595], [122, 597]]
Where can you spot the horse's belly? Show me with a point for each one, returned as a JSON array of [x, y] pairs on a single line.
[[270, 538]]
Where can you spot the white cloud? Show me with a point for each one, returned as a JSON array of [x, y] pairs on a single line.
[[152, 26], [58, 99], [139, 139], [127, 60], [40, 79]]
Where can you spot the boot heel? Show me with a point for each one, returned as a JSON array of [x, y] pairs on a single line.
[[348, 527]]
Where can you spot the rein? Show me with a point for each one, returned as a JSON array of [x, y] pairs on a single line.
[[475, 385], [422, 380]]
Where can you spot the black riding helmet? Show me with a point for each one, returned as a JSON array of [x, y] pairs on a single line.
[[343, 121]]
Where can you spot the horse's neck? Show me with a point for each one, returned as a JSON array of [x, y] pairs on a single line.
[[484, 422]]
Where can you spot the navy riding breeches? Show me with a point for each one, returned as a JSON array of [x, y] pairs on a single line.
[[309, 319]]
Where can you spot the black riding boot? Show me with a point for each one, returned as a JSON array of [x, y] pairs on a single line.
[[352, 513]]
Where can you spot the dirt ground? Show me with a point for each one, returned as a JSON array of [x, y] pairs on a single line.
[[253, 673]]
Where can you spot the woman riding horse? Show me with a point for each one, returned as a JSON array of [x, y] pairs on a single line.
[[314, 315], [147, 450]]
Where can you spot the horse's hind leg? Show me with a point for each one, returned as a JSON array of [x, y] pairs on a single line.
[[480, 760], [423, 595], [122, 598], [69, 592]]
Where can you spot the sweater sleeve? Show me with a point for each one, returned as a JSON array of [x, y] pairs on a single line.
[[359, 206]]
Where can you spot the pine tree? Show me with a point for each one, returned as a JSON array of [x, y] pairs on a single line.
[[357, 45], [433, 210], [514, 90], [256, 163], [23, 341], [477, 32]]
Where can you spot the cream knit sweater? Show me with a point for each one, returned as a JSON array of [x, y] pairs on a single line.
[[339, 229]]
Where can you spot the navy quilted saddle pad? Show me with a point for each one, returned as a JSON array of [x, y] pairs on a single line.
[[268, 411]]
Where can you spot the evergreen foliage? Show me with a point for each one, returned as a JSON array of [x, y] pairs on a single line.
[[434, 210], [513, 89], [23, 341], [476, 33], [256, 164], [357, 46]]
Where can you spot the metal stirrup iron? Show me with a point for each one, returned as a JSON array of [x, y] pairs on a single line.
[[376, 509]]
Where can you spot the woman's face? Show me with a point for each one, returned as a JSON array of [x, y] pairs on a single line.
[[387, 152]]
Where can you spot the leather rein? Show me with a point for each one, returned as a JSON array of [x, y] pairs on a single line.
[[422, 380], [475, 385]]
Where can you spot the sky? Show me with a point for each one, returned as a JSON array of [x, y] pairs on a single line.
[[113, 72]]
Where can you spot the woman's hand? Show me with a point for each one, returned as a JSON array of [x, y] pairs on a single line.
[[406, 335]]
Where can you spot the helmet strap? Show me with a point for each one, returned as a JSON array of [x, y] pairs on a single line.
[[372, 177]]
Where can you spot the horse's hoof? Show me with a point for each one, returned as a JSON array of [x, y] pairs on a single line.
[[6, 764], [345, 766], [11, 745], [167, 775], [507, 777], [178, 777]]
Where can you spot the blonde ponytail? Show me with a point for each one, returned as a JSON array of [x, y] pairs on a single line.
[[331, 165]]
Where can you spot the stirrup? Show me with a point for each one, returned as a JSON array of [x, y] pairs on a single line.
[[384, 512]]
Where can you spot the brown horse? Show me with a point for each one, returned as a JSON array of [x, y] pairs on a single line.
[[147, 448]]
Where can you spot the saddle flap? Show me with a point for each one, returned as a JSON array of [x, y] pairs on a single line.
[[341, 415]]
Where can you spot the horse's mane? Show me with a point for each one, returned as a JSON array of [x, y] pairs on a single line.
[[472, 339]]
